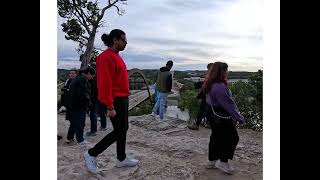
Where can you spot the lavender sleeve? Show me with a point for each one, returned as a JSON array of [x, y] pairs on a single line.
[[223, 97]]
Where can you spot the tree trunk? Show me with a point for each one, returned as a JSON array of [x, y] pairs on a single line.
[[88, 53]]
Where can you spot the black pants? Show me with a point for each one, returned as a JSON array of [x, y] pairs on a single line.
[[223, 140], [77, 124], [202, 112], [119, 133]]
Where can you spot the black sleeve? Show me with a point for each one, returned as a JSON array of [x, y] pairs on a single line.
[[169, 82]]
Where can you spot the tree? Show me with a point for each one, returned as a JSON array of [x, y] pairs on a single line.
[[189, 100], [249, 100], [83, 19]]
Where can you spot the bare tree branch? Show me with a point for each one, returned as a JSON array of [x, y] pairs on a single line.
[[118, 10], [105, 8], [84, 22]]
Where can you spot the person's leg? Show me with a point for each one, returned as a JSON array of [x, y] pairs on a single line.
[[104, 143], [231, 139], [79, 119], [213, 146], [68, 114], [103, 118], [93, 120], [72, 129], [162, 99], [121, 106], [201, 114], [156, 106], [227, 145]]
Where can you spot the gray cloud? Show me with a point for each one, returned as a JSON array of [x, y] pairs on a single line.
[[187, 31]]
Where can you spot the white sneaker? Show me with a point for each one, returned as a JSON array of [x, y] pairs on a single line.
[[212, 165], [91, 162], [127, 163], [153, 114], [225, 167], [68, 141], [84, 142]]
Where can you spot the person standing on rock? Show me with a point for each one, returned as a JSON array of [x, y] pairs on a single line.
[[164, 86], [80, 90], [113, 92], [203, 105], [222, 115]]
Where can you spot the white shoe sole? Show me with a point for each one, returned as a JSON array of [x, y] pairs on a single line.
[[230, 172]]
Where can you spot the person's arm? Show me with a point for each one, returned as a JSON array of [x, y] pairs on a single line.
[[105, 75], [224, 99]]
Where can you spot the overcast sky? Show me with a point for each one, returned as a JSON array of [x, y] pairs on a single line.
[[192, 33]]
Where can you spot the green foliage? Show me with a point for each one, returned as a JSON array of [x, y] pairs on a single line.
[[187, 85], [188, 100], [144, 108], [73, 30], [248, 98]]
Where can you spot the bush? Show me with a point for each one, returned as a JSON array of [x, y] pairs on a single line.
[[248, 98], [188, 100]]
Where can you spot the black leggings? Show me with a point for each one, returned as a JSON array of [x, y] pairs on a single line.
[[119, 133], [223, 140]]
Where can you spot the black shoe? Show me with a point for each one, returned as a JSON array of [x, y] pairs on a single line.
[[59, 137]]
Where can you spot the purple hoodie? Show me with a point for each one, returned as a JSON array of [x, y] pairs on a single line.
[[220, 96]]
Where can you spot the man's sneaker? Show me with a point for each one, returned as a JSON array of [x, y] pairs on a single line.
[[91, 162], [91, 133], [84, 142], [153, 114], [68, 141], [212, 165], [193, 127], [127, 163], [225, 167]]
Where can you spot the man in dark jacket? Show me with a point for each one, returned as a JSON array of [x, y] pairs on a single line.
[[65, 99], [203, 105], [164, 86], [80, 90]]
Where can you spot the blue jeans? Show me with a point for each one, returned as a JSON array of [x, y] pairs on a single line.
[[160, 104]]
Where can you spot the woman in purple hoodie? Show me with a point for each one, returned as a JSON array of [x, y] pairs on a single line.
[[222, 116]]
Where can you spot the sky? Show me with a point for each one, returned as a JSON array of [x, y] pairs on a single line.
[[191, 33]]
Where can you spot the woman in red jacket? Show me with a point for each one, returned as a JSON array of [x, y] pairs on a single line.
[[113, 92]]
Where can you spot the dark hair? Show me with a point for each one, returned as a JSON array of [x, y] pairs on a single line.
[[216, 73], [88, 70], [209, 65], [169, 63], [108, 38]]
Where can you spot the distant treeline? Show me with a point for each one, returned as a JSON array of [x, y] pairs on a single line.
[[151, 74]]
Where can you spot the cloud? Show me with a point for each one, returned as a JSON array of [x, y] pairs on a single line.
[[187, 31]]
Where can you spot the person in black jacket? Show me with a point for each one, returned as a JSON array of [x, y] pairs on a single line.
[[80, 90], [65, 99], [203, 105]]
